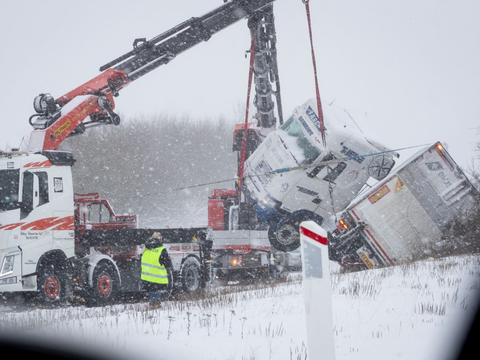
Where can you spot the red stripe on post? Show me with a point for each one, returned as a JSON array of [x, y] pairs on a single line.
[[308, 233]]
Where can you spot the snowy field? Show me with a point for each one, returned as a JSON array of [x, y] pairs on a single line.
[[414, 311]]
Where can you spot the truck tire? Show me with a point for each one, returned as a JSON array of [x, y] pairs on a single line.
[[105, 285], [51, 284], [191, 275], [286, 238]]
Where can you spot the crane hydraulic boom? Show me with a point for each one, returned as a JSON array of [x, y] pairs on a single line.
[[56, 119]]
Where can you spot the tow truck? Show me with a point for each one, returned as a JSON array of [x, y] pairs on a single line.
[[53, 243]]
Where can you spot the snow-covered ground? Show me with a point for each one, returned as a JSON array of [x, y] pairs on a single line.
[[413, 311]]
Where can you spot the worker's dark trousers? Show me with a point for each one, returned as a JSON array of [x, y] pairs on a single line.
[[158, 292], [157, 295]]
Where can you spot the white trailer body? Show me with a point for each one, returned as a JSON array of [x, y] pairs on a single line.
[[401, 218]]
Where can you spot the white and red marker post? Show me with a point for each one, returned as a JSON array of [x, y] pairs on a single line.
[[317, 291]]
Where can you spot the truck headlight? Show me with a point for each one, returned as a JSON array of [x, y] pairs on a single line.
[[268, 201], [7, 265]]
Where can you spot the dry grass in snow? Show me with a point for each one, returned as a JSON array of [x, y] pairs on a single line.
[[414, 311]]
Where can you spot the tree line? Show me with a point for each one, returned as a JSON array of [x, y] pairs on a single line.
[[137, 164]]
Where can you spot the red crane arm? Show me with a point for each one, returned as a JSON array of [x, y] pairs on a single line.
[[94, 99], [57, 119]]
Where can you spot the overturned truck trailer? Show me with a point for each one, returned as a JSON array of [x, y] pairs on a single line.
[[405, 217]]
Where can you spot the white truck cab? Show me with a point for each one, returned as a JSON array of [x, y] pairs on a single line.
[[36, 217], [283, 200]]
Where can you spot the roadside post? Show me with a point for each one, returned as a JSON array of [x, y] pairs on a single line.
[[317, 291]]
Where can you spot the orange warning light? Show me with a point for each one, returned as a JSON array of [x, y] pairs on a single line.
[[440, 147]]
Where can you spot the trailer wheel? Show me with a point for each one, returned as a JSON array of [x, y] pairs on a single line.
[[380, 166], [191, 275], [105, 284], [51, 284]]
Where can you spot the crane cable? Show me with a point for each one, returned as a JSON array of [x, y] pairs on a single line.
[[317, 90], [301, 167], [319, 101], [280, 171]]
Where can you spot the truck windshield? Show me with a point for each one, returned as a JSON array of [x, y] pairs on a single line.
[[9, 185], [299, 145]]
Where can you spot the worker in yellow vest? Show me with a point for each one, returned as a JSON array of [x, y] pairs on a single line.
[[155, 265]]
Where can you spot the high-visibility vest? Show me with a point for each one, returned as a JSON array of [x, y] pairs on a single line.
[[152, 271]]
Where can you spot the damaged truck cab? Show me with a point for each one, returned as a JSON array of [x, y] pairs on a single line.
[[283, 200]]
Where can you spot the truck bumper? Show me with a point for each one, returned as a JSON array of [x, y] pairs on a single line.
[[353, 249], [10, 284], [11, 271], [241, 266]]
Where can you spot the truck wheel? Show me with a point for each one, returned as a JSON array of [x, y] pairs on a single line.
[[190, 275], [287, 237], [105, 285], [51, 285]]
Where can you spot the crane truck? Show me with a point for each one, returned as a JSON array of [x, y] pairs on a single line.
[[54, 243]]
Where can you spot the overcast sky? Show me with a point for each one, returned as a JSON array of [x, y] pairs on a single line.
[[409, 71]]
